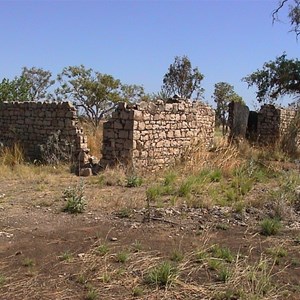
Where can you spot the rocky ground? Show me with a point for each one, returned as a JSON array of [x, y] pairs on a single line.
[[113, 249]]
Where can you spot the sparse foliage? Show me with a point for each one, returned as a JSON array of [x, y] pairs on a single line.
[[32, 85], [14, 90], [224, 94], [182, 80], [270, 226], [94, 93], [39, 81], [293, 15], [75, 199], [56, 149], [276, 78], [163, 274]]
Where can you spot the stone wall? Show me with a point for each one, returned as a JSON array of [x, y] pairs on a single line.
[[238, 120], [269, 126], [279, 125], [33, 124], [150, 136]]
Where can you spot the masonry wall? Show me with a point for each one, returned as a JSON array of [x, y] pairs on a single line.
[[150, 136], [279, 125], [31, 124], [269, 126]]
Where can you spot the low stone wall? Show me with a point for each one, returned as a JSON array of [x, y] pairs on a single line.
[[34, 124], [269, 126], [150, 136], [279, 125]]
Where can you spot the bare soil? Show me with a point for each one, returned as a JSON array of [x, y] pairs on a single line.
[[46, 253]]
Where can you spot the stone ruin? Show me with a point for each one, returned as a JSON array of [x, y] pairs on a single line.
[[269, 126], [146, 136], [152, 135], [42, 129]]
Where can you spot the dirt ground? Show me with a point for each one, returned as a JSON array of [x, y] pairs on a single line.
[[46, 253]]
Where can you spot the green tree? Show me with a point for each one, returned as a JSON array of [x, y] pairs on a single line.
[[31, 85], [39, 81], [276, 78], [293, 15], [132, 93], [182, 80], [224, 94], [94, 93], [14, 90]]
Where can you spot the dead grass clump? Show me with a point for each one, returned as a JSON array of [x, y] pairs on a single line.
[[113, 176], [94, 137], [11, 156]]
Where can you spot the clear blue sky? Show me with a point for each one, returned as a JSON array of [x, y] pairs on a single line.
[[136, 41]]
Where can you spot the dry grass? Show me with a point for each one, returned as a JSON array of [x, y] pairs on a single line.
[[248, 278], [94, 138]]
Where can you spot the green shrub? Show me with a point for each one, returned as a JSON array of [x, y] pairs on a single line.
[[177, 255], [224, 273], [153, 193], [75, 199], [162, 275], [102, 249], [122, 257], [66, 256], [28, 262], [270, 226], [222, 253], [169, 179], [186, 187], [215, 175], [124, 212], [134, 181], [92, 294]]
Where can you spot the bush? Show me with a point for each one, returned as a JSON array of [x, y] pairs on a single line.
[[270, 226], [56, 149], [134, 181], [162, 275], [75, 199]]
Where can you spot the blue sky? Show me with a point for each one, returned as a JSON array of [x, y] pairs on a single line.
[[136, 41]]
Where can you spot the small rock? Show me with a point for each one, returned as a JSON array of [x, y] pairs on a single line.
[[85, 172], [113, 239], [80, 255]]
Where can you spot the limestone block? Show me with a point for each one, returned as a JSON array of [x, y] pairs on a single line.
[[141, 126], [170, 134]]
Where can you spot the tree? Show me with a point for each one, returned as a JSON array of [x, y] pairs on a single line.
[[94, 93], [293, 15], [224, 94], [276, 78], [14, 90], [182, 79], [132, 93], [39, 81], [31, 85]]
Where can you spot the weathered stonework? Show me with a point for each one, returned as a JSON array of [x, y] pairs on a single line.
[[269, 126], [279, 125], [150, 136], [30, 124], [238, 119]]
